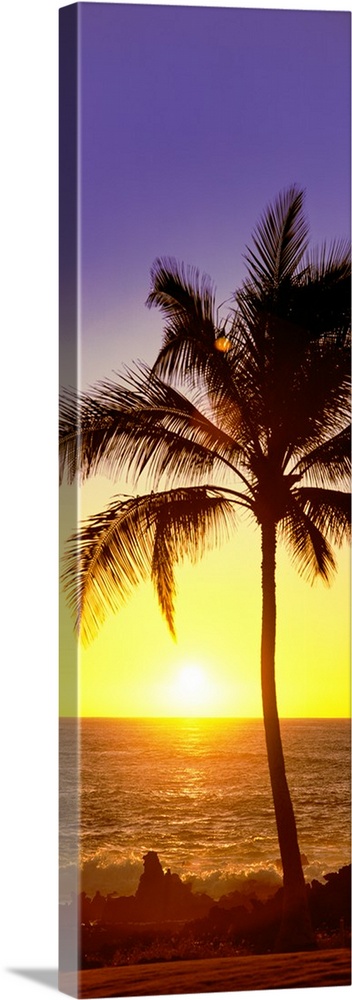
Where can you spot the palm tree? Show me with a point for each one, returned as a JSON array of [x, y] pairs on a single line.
[[249, 412]]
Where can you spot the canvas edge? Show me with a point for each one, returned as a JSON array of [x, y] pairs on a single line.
[[68, 29]]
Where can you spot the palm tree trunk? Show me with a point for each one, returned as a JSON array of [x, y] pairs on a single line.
[[295, 932]]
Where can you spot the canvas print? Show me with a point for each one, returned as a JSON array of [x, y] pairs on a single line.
[[204, 499]]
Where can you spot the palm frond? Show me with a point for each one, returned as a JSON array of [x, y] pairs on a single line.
[[319, 397], [188, 524], [308, 547], [307, 397], [321, 297], [69, 444], [188, 354], [329, 510], [280, 241], [184, 296], [330, 462], [136, 538], [328, 262], [187, 301], [86, 434], [143, 424]]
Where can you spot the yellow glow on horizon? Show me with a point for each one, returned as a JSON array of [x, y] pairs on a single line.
[[134, 668]]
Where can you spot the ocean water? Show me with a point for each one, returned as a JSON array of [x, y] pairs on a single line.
[[197, 791]]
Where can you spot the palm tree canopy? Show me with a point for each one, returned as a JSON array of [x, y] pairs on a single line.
[[265, 425]]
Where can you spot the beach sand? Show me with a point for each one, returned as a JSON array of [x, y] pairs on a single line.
[[253, 972]]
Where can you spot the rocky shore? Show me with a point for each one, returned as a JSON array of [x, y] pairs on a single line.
[[165, 921]]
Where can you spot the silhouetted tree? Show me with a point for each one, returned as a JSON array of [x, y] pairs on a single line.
[[262, 424]]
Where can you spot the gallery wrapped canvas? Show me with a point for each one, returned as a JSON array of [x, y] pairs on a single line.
[[205, 499]]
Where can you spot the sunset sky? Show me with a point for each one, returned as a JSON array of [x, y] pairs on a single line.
[[191, 121]]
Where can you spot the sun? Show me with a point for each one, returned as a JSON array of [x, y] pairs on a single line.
[[192, 689], [192, 679]]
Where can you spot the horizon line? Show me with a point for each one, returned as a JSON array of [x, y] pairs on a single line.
[[212, 718]]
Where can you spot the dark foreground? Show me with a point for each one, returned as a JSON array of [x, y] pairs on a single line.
[[250, 972], [168, 940]]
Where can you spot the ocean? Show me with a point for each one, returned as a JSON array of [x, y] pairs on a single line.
[[197, 792]]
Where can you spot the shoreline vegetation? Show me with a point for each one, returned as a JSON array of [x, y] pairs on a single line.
[[166, 924]]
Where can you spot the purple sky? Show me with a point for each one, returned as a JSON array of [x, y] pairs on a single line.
[[193, 119]]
